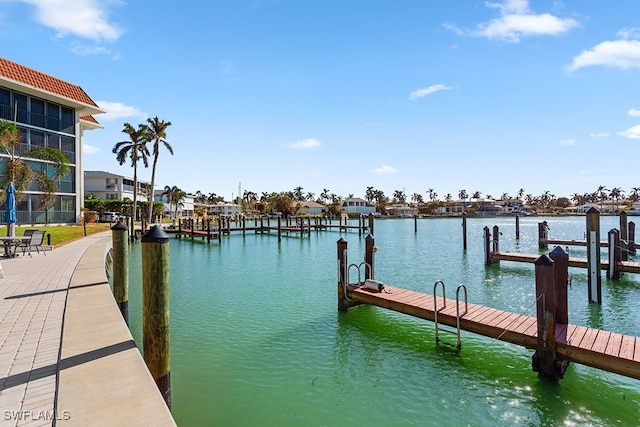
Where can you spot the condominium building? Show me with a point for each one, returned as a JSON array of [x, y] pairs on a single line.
[[48, 112], [111, 186]]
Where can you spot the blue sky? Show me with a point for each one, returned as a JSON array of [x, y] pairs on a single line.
[[342, 95]]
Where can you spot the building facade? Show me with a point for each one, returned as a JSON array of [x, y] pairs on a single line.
[[356, 205], [48, 112], [109, 186]]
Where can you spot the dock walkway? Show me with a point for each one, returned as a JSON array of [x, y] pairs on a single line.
[[66, 353], [592, 347]]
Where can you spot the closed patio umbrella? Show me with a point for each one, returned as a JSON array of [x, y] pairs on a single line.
[[10, 213]]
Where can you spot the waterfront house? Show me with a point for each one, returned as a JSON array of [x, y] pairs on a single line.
[[185, 208], [49, 112], [356, 205], [402, 211], [224, 208], [311, 208]]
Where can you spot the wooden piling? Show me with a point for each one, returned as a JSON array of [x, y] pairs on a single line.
[[415, 223], [561, 278], [120, 256], [155, 308], [371, 224], [343, 303], [615, 255], [279, 229], [517, 228], [464, 231], [631, 238], [545, 360], [487, 245], [496, 238], [593, 256], [624, 237], [369, 257], [543, 234]]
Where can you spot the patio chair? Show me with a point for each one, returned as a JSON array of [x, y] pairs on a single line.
[[37, 239], [24, 244]]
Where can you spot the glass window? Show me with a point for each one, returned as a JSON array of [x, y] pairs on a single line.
[[21, 103], [5, 97], [53, 141], [53, 116], [37, 138], [67, 122], [37, 112]]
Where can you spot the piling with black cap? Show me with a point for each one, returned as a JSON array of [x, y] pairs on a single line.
[[155, 308], [120, 256]]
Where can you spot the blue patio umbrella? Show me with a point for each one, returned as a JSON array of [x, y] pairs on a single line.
[[10, 202]]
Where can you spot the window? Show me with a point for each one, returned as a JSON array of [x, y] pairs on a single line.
[[53, 116], [37, 138], [37, 112], [21, 103], [67, 120]]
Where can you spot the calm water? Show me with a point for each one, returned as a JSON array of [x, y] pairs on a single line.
[[256, 338]]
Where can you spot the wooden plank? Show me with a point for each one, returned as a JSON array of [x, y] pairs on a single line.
[[614, 344], [627, 347], [601, 341], [588, 339]]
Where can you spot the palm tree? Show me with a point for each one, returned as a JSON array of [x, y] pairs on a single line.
[[462, 194], [616, 193], [157, 132], [168, 192], [22, 172], [135, 149], [635, 194], [602, 192]]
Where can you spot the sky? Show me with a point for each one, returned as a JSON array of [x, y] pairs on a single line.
[[403, 95]]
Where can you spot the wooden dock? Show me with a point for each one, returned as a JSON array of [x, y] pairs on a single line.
[[600, 349], [625, 266]]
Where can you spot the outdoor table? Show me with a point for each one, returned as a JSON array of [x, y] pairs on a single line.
[[11, 244]]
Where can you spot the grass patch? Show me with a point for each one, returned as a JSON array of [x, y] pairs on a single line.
[[61, 234]]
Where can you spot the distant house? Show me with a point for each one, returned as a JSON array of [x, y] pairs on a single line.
[[312, 208], [402, 211], [185, 208], [111, 186], [356, 205], [223, 208]]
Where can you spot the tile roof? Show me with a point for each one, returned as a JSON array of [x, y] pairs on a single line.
[[45, 82]]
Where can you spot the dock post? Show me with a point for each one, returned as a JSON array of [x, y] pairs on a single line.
[[543, 235], [192, 227], [615, 255], [119, 237], [561, 277], [343, 303], [415, 223], [624, 237], [179, 228], [208, 230], [517, 228], [487, 246], [371, 224], [155, 308], [545, 360], [369, 257], [219, 229], [464, 231], [360, 225], [593, 256], [496, 238], [244, 226], [631, 243], [279, 229]]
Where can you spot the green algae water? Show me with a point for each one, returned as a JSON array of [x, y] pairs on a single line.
[[257, 340]]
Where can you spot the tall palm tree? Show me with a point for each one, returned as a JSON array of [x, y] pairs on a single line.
[[602, 192], [135, 149], [156, 134], [20, 170], [169, 194]]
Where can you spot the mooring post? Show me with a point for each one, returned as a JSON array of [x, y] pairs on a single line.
[[615, 255], [487, 245], [631, 245], [191, 223], [561, 277], [244, 226], [496, 239], [545, 360], [415, 223], [155, 308], [624, 237], [593, 256], [464, 231], [371, 224], [279, 229], [343, 303], [369, 257], [543, 235], [219, 229], [208, 230], [120, 255], [517, 227]]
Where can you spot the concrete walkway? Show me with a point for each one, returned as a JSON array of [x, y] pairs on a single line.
[[66, 355]]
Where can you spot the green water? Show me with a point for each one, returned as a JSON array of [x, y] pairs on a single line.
[[256, 338]]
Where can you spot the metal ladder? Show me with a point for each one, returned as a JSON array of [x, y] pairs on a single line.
[[459, 315]]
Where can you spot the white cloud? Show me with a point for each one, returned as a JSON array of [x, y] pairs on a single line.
[[83, 18], [427, 91], [89, 149], [599, 134], [517, 21], [567, 142], [383, 170], [305, 144], [631, 133], [623, 54], [634, 113], [118, 111]]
